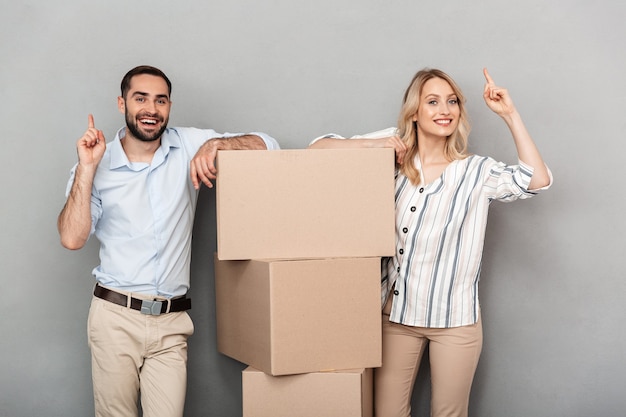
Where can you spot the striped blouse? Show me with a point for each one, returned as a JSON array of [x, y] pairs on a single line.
[[440, 231]]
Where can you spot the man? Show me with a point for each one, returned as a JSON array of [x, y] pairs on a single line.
[[137, 197]]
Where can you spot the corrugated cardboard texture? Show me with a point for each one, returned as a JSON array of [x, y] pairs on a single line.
[[297, 316], [321, 394], [312, 203]]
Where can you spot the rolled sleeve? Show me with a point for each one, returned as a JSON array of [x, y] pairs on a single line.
[[390, 131], [326, 136], [509, 182]]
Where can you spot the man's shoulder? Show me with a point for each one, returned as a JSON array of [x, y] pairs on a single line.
[[190, 138], [192, 134], [183, 131]]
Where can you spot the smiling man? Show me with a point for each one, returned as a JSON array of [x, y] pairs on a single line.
[[137, 195]]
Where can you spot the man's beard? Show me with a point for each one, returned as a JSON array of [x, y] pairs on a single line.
[[131, 124]]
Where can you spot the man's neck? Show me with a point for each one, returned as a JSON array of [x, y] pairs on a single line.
[[137, 150]]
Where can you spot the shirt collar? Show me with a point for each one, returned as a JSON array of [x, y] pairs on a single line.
[[169, 140]]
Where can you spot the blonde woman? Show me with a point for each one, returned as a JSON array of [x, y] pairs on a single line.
[[430, 288]]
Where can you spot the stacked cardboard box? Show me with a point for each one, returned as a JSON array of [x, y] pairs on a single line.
[[297, 273], [346, 393]]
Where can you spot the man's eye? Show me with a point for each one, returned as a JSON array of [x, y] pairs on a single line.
[[140, 99]]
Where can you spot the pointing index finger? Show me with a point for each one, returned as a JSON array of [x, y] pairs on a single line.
[[488, 77], [91, 123]]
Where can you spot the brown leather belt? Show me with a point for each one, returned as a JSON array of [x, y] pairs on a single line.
[[151, 307]]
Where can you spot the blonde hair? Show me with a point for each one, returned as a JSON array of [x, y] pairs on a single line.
[[456, 143]]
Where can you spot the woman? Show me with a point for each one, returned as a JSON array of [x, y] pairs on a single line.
[[430, 291]]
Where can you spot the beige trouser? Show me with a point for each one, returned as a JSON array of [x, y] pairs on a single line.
[[133, 352], [454, 354]]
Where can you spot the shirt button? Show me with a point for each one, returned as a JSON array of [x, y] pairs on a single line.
[[401, 251], [398, 269], [413, 208], [405, 230], [422, 190], [396, 292]]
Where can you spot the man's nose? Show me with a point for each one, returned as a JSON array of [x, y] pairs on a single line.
[[151, 106]]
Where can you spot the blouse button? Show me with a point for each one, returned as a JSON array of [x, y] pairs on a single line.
[[396, 292], [398, 269], [405, 230], [422, 190], [401, 251], [413, 208]]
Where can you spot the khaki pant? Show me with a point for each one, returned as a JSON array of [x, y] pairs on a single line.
[[454, 354], [133, 352]]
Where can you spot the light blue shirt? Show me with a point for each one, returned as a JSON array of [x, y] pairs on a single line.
[[142, 213]]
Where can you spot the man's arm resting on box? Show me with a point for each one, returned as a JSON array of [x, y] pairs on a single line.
[[203, 167]]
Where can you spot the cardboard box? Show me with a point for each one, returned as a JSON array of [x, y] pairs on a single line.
[[321, 394], [298, 316], [299, 203]]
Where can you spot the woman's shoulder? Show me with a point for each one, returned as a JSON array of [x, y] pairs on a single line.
[[474, 160], [473, 163]]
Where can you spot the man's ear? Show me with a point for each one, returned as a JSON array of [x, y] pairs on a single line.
[[121, 104]]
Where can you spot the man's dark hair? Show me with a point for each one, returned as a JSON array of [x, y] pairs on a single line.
[[143, 69]]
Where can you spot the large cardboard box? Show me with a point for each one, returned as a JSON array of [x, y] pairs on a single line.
[[322, 394], [298, 316], [300, 203]]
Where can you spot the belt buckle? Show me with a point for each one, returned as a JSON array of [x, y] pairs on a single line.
[[151, 307]]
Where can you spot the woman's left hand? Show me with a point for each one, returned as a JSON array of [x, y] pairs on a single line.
[[497, 98]]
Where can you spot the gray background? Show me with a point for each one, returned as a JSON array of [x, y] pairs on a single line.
[[553, 279]]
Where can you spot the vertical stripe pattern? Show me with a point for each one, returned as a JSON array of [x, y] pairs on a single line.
[[440, 230]]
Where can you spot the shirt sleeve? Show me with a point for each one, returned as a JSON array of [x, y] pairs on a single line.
[[326, 136], [198, 136], [510, 182], [390, 131]]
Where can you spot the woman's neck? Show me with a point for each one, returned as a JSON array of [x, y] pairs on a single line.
[[432, 149]]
